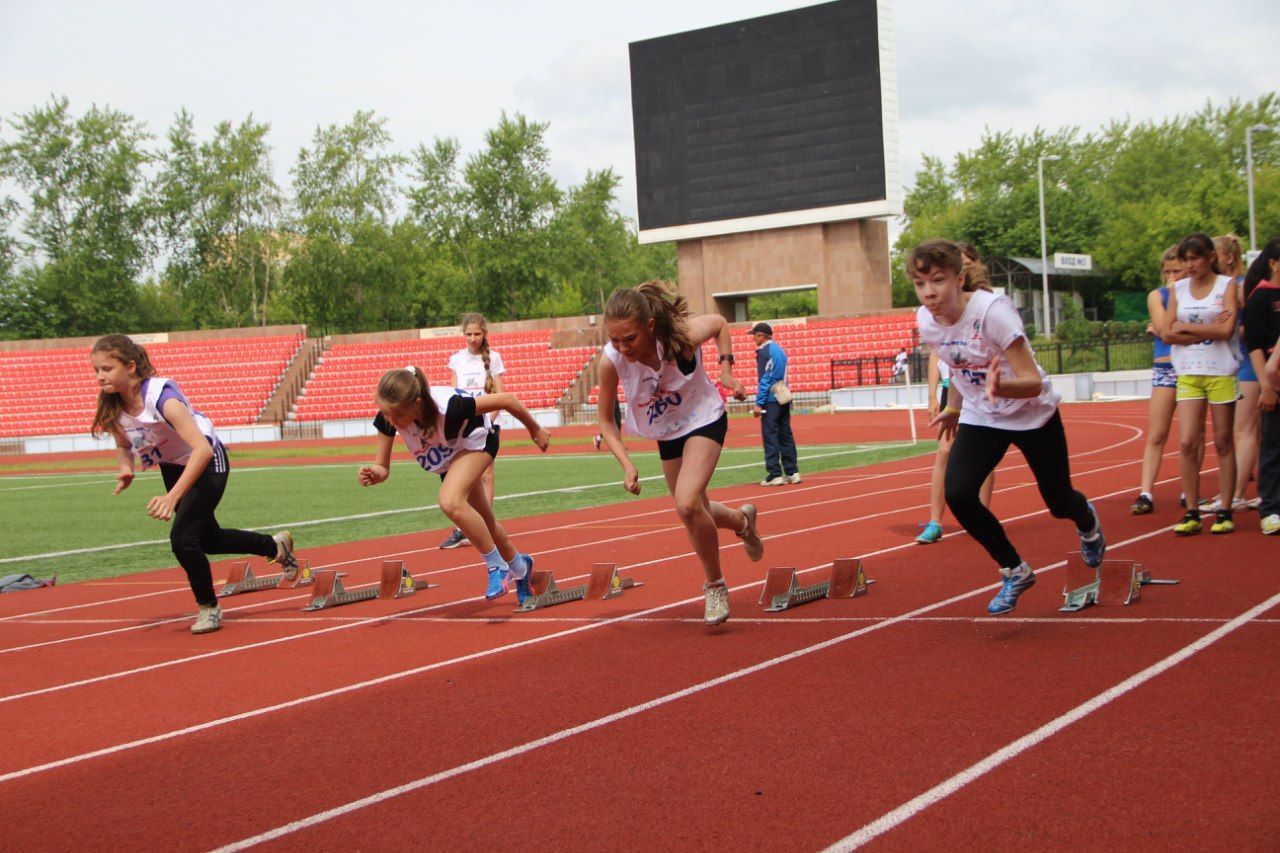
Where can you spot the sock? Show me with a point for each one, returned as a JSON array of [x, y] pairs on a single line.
[[494, 560], [519, 566], [1019, 571], [1148, 496], [1094, 532]]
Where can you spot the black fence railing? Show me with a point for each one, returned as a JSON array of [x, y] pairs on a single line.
[[1094, 355]]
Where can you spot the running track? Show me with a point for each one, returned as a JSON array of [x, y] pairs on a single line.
[[904, 719]]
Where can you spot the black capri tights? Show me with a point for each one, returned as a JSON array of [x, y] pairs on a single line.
[[976, 452], [195, 532]]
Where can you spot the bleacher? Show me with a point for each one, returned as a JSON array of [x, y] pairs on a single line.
[[54, 392], [344, 382], [811, 346]]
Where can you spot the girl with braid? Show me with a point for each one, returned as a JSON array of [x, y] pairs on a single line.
[[655, 352], [476, 368], [149, 416]]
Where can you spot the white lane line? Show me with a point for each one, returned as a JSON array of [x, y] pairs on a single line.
[[599, 722], [976, 771], [97, 549]]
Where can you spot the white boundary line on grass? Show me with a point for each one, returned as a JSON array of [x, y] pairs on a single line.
[[427, 508], [599, 722]]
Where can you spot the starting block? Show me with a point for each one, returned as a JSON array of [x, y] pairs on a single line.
[[241, 579], [396, 582], [782, 588], [1113, 582], [605, 582]]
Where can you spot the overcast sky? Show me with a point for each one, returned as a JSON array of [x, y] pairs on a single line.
[[436, 68]]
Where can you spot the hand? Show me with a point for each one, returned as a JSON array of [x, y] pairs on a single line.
[[161, 507], [541, 437], [735, 388], [933, 409], [123, 481], [756, 411], [372, 475], [1267, 399], [946, 421], [993, 379], [631, 480]]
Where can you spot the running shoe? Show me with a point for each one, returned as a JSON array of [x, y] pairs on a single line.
[[717, 608], [1190, 524], [209, 620], [1016, 582], [284, 555], [750, 536], [1271, 525], [499, 583], [1092, 550], [523, 585], [596, 441], [774, 481], [1252, 503], [793, 479], [1143, 505], [1223, 523], [932, 533], [456, 538]]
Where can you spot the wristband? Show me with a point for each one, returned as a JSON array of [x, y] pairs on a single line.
[[951, 410], [726, 356]]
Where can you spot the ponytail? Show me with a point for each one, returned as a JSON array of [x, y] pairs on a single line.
[[657, 301], [404, 388], [110, 404]]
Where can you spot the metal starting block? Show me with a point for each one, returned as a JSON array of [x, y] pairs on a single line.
[[241, 579], [396, 582], [782, 588], [1113, 582], [605, 582]]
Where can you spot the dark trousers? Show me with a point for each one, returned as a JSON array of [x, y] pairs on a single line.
[[195, 532], [779, 443], [975, 454], [1269, 463]]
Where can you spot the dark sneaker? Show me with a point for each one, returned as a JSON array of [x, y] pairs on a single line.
[[1190, 524], [1142, 506], [1092, 550], [456, 538]]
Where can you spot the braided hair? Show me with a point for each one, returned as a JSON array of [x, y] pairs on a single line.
[[475, 318]]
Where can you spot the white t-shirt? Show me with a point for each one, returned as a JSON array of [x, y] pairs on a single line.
[[666, 404], [988, 326], [456, 418], [1207, 358], [470, 368]]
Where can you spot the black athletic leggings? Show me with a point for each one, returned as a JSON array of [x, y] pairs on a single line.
[[195, 531], [976, 452]]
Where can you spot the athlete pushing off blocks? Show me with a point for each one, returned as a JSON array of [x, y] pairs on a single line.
[[449, 432], [655, 351], [998, 396]]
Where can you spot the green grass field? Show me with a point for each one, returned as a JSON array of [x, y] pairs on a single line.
[[317, 501]]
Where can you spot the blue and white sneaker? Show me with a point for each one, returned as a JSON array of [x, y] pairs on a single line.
[[932, 533], [1016, 582], [1092, 551], [499, 580], [523, 588]]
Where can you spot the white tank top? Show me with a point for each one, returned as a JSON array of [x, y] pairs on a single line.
[[436, 453], [151, 436], [1207, 358], [666, 404]]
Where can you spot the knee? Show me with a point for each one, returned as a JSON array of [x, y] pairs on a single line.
[[452, 505], [1190, 447], [184, 541], [689, 509], [1157, 438], [960, 497]]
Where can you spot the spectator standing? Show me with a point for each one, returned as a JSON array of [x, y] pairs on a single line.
[[773, 407]]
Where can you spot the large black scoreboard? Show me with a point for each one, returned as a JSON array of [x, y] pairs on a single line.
[[775, 121]]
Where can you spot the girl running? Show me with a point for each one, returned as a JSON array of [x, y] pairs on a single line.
[[975, 278], [655, 351], [998, 396], [149, 416], [1200, 322], [477, 368], [449, 431]]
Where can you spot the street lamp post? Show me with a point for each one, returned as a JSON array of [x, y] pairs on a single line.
[[1248, 171], [1044, 246]]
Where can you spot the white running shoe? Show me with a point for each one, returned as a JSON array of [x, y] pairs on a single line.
[[209, 620], [792, 479], [750, 538], [1271, 525], [774, 481], [717, 609]]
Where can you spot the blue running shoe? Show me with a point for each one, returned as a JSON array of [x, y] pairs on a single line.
[[1092, 551], [1014, 585], [523, 588], [932, 533], [498, 583]]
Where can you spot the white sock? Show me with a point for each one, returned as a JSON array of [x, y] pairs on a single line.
[[1020, 571], [519, 566], [494, 560]]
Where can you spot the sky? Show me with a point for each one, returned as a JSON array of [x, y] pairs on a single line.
[[449, 69]]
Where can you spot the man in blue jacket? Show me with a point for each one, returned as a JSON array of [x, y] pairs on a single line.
[[775, 418]]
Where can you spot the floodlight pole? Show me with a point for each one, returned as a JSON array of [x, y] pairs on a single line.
[[1248, 171], [1044, 245]]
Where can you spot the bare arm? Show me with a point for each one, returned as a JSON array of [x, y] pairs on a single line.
[[706, 327], [380, 470], [607, 378], [487, 403], [1026, 381], [124, 459], [934, 378]]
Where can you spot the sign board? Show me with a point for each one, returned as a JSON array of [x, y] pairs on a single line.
[[1064, 261]]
